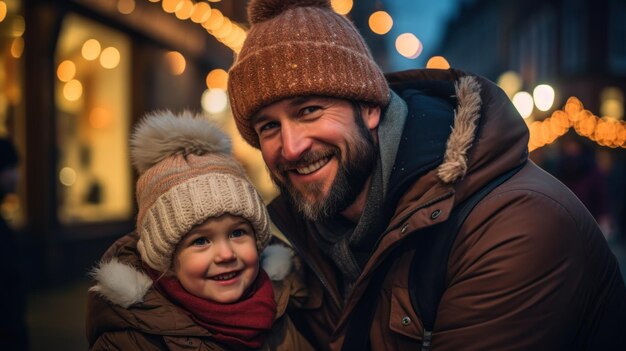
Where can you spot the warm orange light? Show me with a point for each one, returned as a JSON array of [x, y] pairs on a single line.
[[176, 62], [73, 90], [437, 62], [215, 20], [380, 22], [217, 79], [17, 47], [342, 7], [171, 6], [224, 29], [110, 58], [91, 49], [3, 10], [126, 6], [99, 118], [185, 11], [66, 71], [201, 12]]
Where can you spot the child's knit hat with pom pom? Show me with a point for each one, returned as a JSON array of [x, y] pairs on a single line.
[[187, 175], [300, 48]]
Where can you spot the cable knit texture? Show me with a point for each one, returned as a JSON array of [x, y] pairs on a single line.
[[300, 48], [184, 186]]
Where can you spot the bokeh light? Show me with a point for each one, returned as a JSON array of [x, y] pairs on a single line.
[[67, 176], [380, 22], [3, 10], [91, 49], [126, 7], [185, 11], [510, 82], [176, 62], [342, 7], [543, 95], [523, 102], [72, 90], [110, 57], [408, 45], [214, 100], [217, 79], [66, 71], [437, 62], [201, 12]]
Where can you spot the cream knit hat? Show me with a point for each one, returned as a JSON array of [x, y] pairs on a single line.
[[300, 48], [187, 175]]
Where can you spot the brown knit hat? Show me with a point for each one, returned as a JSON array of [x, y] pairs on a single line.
[[300, 48], [187, 175]]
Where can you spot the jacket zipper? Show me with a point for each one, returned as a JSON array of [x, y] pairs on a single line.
[[426, 340]]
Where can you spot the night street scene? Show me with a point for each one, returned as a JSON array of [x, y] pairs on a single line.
[[78, 76]]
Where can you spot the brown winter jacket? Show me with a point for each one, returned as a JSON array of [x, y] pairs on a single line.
[[128, 314], [529, 269]]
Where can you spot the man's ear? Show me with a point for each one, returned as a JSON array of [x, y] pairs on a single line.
[[371, 116]]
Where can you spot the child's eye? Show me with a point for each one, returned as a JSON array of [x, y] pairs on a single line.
[[200, 242], [238, 233]]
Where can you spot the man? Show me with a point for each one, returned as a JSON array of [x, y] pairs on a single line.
[[363, 169]]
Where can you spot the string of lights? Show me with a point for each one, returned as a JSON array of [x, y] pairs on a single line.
[[604, 131]]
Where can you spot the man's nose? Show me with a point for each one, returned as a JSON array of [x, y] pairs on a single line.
[[295, 141]]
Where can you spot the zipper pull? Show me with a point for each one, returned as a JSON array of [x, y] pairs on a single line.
[[426, 340]]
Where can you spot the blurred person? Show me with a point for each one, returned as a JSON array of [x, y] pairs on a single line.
[[13, 330], [189, 277], [577, 167], [368, 166]]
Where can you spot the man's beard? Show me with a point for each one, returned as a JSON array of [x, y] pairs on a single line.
[[354, 168]]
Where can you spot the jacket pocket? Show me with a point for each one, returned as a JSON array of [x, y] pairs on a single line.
[[402, 317]]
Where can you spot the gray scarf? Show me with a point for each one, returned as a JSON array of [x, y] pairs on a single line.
[[347, 244]]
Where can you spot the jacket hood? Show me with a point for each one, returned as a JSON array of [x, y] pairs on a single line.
[[123, 285], [487, 136]]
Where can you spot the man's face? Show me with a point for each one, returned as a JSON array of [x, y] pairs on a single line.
[[319, 151]]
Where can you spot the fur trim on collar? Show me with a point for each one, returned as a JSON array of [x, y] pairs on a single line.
[[277, 261], [119, 283], [125, 286], [455, 165]]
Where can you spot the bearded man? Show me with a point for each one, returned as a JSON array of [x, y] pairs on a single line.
[[367, 163]]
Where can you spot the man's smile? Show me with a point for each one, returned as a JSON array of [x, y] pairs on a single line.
[[310, 168]]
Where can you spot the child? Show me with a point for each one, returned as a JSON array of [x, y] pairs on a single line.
[[189, 276]]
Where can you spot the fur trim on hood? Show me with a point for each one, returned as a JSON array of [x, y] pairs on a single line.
[[455, 164], [124, 285]]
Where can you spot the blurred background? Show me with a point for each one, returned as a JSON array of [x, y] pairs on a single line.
[[76, 75]]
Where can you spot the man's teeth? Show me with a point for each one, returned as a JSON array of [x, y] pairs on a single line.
[[225, 276], [312, 167]]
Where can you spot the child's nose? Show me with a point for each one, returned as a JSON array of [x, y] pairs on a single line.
[[225, 252]]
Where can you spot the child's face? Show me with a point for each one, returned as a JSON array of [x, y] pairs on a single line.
[[218, 259]]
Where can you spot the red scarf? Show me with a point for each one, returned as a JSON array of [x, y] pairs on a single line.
[[242, 325]]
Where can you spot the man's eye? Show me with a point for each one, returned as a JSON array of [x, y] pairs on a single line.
[[200, 242], [267, 126], [309, 109]]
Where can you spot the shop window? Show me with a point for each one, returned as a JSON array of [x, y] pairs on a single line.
[[93, 120], [12, 27]]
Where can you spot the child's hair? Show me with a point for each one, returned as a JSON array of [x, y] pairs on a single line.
[[187, 175]]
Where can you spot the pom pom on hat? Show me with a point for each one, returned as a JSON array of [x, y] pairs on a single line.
[[162, 134], [262, 10]]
